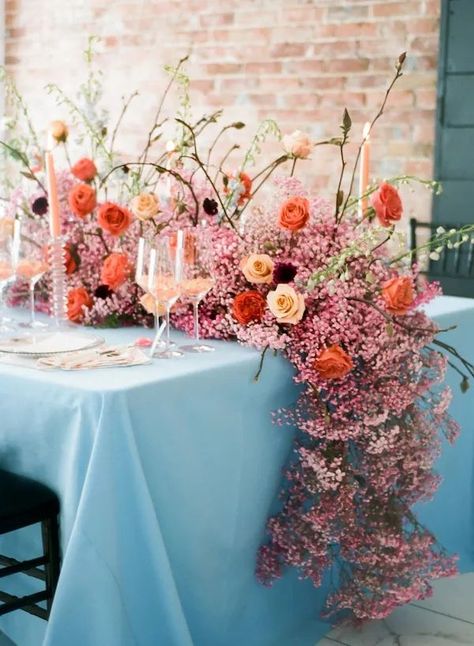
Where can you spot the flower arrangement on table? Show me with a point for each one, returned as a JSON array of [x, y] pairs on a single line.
[[331, 286]]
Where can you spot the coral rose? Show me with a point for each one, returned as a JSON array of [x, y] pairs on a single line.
[[294, 213], [69, 260], [59, 131], [115, 270], [257, 268], [77, 299], [84, 169], [82, 200], [387, 204], [298, 144], [398, 294], [333, 363], [114, 218], [286, 304], [145, 206], [248, 306]]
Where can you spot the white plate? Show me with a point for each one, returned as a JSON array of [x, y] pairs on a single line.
[[44, 344]]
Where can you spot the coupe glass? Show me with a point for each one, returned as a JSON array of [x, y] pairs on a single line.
[[9, 238], [197, 279], [164, 281], [31, 266], [141, 278]]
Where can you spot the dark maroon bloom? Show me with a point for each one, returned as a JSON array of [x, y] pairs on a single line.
[[210, 206], [103, 291], [40, 206], [284, 272]]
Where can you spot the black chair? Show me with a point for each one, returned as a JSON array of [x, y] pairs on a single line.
[[455, 267], [25, 502]]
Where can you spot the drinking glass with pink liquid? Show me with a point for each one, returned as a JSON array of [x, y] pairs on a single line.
[[31, 266], [164, 281], [9, 237], [197, 279]]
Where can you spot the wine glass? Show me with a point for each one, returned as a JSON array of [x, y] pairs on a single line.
[[164, 278], [31, 266], [9, 237], [197, 279], [141, 278]]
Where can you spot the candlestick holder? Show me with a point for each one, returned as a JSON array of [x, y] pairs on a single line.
[[57, 257]]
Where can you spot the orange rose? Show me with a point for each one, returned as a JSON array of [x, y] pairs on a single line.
[[77, 299], [59, 131], [333, 363], [84, 169], [115, 270], [114, 218], [246, 183], [398, 294], [387, 204], [248, 306], [69, 260], [294, 213], [82, 200]]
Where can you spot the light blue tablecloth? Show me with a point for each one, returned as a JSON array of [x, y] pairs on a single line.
[[167, 474]]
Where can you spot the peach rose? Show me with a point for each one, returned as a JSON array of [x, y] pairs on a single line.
[[248, 306], [387, 204], [257, 268], [84, 169], [82, 200], [115, 270], [59, 131], [333, 363], [294, 213], [114, 218], [298, 144], [145, 206], [148, 303], [77, 299], [398, 294], [286, 304]]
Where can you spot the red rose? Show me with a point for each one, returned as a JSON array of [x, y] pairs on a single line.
[[398, 294], [387, 204], [76, 300], [115, 270], [82, 200], [114, 218], [84, 169], [333, 363], [248, 306]]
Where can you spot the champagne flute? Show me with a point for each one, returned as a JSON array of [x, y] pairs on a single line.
[[164, 279], [9, 237], [197, 279], [141, 278], [31, 266]]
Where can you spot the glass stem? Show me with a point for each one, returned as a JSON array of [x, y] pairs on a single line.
[[168, 340], [32, 302], [196, 319]]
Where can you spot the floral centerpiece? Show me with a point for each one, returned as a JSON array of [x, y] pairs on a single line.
[[328, 285]]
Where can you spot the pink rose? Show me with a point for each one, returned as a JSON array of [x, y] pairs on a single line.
[[298, 144]]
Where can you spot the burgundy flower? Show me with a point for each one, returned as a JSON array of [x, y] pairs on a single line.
[[40, 206], [210, 206], [103, 291], [284, 272]]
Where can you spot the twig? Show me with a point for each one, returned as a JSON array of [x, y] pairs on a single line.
[[125, 107], [260, 364]]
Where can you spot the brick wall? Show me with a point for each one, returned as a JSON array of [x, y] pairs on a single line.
[[298, 61]]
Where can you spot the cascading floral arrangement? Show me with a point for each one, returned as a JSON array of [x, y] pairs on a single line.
[[330, 288]]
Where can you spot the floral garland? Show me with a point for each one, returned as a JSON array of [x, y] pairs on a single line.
[[327, 288]]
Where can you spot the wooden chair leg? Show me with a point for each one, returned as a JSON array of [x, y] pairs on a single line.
[[50, 534]]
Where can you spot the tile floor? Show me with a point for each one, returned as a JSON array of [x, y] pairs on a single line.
[[447, 619]]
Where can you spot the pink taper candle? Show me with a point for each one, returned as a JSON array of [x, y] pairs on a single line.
[[364, 170], [53, 201]]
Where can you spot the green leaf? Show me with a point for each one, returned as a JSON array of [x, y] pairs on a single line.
[[464, 385], [346, 122], [389, 329], [27, 174], [340, 197], [238, 125]]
